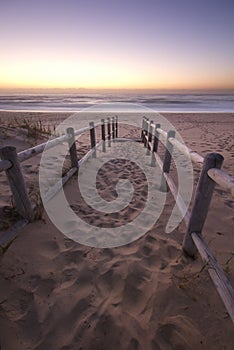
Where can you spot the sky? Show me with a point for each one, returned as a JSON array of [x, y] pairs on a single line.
[[124, 44]]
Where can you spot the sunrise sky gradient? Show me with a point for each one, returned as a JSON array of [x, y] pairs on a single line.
[[147, 44]]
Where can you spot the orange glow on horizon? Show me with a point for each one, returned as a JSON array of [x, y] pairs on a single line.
[[65, 74], [114, 83]]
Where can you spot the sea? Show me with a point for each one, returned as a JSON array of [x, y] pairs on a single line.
[[158, 102]]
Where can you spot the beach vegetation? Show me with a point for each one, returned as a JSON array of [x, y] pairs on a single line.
[[34, 129]]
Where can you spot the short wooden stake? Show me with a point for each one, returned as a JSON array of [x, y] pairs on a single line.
[[202, 200], [17, 184], [103, 135], [72, 148], [92, 138]]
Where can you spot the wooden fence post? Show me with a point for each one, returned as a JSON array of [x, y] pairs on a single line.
[[113, 127], [103, 135], [72, 148], [147, 125], [155, 144], [146, 131], [148, 152], [92, 138], [203, 195], [167, 160], [109, 132], [142, 129], [168, 152], [116, 126], [17, 184], [151, 130], [156, 138]]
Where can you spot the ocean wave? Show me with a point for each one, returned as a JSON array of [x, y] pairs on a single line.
[[160, 102]]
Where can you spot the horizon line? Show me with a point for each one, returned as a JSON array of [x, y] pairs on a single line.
[[116, 90]]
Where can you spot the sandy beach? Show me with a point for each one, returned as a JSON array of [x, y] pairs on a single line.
[[59, 294]]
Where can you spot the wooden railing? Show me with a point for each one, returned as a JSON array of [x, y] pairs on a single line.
[[194, 220], [10, 163]]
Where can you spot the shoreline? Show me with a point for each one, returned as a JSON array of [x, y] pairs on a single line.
[[85, 110]]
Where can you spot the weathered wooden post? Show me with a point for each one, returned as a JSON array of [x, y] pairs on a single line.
[[155, 144], [103, 135], [146, 131], [116, 126], [156, 138], [142, 129], [167, 160], [168, 152], [151, 130], [72, 148], [109, 132], [17, 184], [92, 138], [148, 152], [113, 127], [203, 195], [147, 125]]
